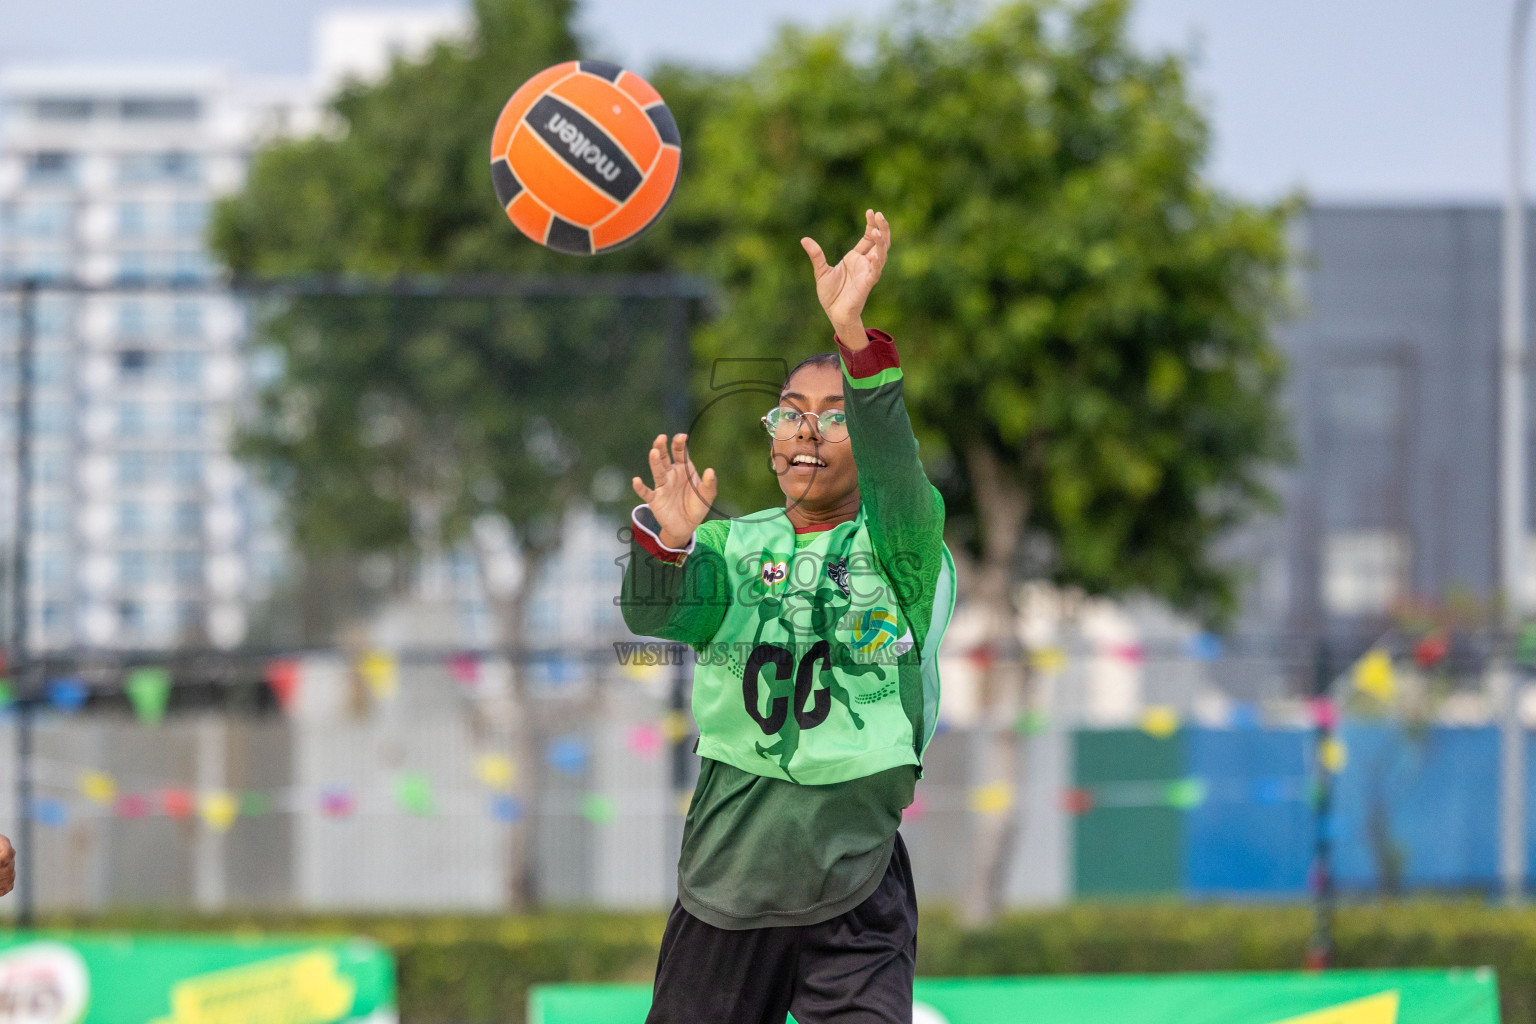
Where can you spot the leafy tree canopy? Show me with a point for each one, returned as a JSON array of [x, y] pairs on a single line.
[[1077, 308]]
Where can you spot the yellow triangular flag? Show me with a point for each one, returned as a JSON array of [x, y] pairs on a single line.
[[1048, 659], [495, 771], [1333, 754], [1373, 675], [1380, 1009], [1160, 722], [381, 672], [219, 810], [98, 787], [992, 799]]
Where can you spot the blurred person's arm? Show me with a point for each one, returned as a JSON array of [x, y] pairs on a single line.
[[7, 866]]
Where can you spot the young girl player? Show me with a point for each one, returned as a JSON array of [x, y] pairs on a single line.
[[817, 628]]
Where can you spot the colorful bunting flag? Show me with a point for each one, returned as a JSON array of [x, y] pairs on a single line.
[[674, 726], [283, 679], [219, 810], [598, 809], [916, 810], [7, 693], [1325, 713], [175, 802], [1077, 801], [254, 803], [1135, 654], [645, 740], [131, 805], [1431, 650], [1205, 647], [991, 799], [506, 808], [1525, 648], [496, 771], [67, 693], [98, 787], [567, 755], [1031, 723], [49, 811], [149, 690], [1333, 755], [1048, 660], [337, 802], [465, 669], [380, 672], [1245, 715], [413, 792], [1160, 721], [1186, 794], [1373, 675]]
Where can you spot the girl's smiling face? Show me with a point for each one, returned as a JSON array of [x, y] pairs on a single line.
[[814, 473]]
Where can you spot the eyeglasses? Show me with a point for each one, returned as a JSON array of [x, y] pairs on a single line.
[[783, 423]]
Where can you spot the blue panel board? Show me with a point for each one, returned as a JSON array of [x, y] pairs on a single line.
[[1253, 834], [1417, 808]]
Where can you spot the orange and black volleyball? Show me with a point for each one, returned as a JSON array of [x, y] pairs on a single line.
[[585, 157]]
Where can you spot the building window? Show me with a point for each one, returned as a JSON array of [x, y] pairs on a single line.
[[131, 615], [133, 265], [190, 265], [53, 567], [132, 320], [52, 517], [189, 219], [131, 220], [133, 568], [188, 566], [187, 319], [55, 615], [161, 108], [132, 362], [50, 419], [1365, 572], [187, 419], [186, 367], [131, 419], [146, 168], [61, 108], [50, 166], [48, 467], [36, 220], [131, 520], [132, 468], [187, 468], [189, 518]]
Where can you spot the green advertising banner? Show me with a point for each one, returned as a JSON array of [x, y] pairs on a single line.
[[1334, 997], [161, 979]]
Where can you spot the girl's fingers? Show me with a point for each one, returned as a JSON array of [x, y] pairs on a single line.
[[709, 486], [680, 449], [645, 493]]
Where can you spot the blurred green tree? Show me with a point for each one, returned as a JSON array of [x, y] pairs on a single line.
[[402, 425], [1086, 321]]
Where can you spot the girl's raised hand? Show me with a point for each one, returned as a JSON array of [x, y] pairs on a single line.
[[843, 289], [680, 497]]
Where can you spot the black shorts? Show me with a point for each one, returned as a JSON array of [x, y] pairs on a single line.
[[856, 968]]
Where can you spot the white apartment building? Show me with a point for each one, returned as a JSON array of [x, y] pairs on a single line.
[[145, 534]]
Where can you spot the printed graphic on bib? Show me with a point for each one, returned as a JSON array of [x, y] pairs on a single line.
[[774, 572]]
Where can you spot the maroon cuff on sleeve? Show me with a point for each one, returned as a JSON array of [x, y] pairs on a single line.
[[648, 536], [879, 354]]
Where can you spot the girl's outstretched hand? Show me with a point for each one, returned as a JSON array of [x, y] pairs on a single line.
[[681, 498], [843, 289]]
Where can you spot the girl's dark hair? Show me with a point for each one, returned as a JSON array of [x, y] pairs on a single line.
[[819, 359]]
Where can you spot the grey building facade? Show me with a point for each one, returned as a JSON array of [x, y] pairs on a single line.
[[1394, 398]]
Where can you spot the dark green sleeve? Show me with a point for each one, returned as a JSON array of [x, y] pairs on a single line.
[[905, 512], [671, 595]]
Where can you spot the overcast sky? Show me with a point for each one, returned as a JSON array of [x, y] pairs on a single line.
[[1350, 99]]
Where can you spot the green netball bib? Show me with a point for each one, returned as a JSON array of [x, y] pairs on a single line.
[[813, 676]]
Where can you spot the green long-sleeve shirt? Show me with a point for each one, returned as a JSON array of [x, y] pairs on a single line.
[[761, 851]]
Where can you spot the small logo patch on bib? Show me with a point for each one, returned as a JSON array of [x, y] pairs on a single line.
[[876, 629], [774, 572]]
